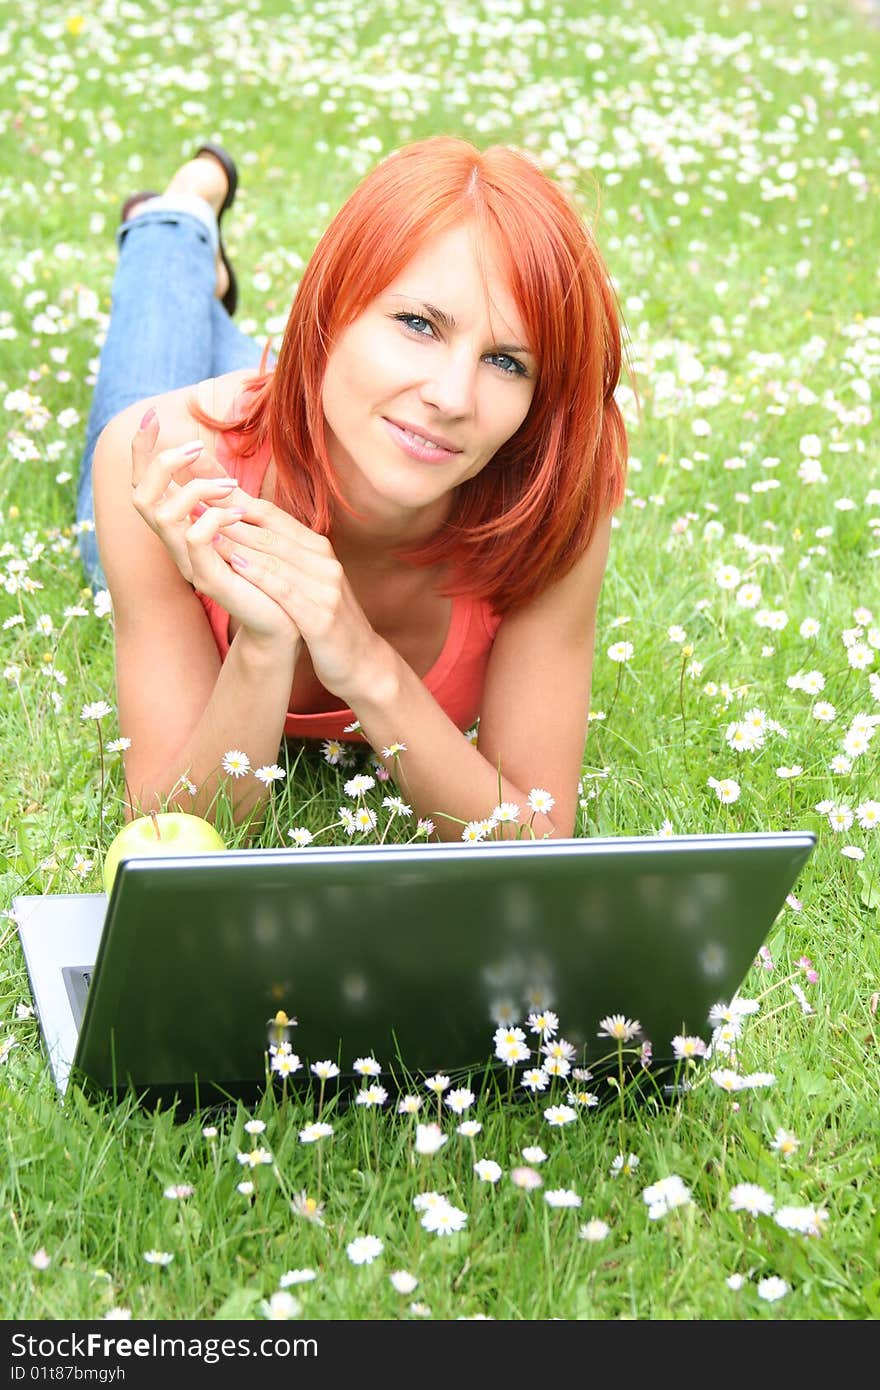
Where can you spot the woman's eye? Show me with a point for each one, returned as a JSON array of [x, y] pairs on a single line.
[[516, 368], [410, 319]]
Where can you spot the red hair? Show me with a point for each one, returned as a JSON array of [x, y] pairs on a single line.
[[522, 522]]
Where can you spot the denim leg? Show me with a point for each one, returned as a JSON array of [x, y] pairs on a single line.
[[163, 318], [233, 350]]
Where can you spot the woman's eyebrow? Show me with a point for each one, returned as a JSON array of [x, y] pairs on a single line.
[[447, 321]]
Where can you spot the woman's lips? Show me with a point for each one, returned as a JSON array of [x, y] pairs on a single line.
[[428, 453]]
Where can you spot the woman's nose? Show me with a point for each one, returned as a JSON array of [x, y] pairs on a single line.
[[451, 388]]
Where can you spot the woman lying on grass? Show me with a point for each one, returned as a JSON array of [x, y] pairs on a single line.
[[401, 525]]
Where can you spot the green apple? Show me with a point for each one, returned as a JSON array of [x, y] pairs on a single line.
[[163, 832]]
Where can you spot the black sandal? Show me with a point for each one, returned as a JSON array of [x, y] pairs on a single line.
[[230, 298], [132, 201]]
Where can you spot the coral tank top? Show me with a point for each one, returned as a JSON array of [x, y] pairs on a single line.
[[455, 680]]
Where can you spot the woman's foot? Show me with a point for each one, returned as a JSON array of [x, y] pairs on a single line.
[[206, 178]]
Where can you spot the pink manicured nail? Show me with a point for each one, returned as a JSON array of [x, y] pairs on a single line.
[[190, 450], [150, 415], [238, 560]]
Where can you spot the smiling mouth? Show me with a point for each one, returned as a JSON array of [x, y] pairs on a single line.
[[417, 445], [422, 439]]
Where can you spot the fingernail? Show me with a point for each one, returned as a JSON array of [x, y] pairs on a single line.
[[238, 560], [150, 415], [235, 511], [195, 448], [227, 483]]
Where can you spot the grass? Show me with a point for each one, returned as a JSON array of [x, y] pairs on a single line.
[[739, 218]]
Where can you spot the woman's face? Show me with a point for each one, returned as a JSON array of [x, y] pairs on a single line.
[[471, 383]]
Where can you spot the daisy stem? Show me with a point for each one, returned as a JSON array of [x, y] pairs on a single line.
[[616, 691], [780, 1008], [683, 717], [519, 1215], [777, 984], [101, 800], [364, 1143], [76, 653], [620, 1088], [279, 1178], [61, 758], [25, 712], [548, 1260], [188, 1243], [676, 1081]]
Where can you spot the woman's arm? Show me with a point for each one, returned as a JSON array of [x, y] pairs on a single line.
[[533, 723], [181, 708], [536, 699], [245, 709]]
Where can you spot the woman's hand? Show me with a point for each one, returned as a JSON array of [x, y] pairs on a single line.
[[167, 484], [186, 498], [298, 571]]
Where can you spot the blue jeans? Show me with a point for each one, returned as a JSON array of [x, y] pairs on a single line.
[[167, 329]]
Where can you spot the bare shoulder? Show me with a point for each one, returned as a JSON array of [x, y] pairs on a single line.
[[134, 560], [166, 658], [177, 424], [227, 387]]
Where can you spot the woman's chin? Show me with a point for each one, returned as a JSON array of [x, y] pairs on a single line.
[[401, 507]]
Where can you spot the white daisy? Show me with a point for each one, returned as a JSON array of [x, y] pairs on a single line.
[[445, 1220], [235, 762], [618, 1027], [363, 1250], [772, 1289], [624, 1163], [621, 651], [562, 1197], [558, 1115], [487, 1170], [594, 1230], [269, 774], [806, 1221], [429, 1139], [750, 1197]]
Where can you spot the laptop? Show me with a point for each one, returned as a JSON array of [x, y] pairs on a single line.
[[412, 954]]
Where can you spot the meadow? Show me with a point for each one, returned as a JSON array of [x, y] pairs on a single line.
[[722, 154]]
